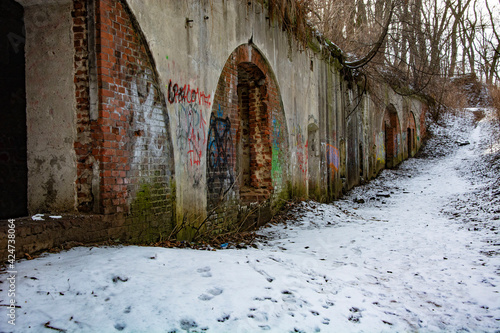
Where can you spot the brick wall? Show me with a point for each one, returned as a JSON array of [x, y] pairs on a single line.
[[126, 146]]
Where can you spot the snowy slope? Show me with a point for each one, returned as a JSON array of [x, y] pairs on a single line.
[[414, 250]]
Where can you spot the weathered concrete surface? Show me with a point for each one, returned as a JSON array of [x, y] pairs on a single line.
[[50, 108], [191, 42], [193, 45]]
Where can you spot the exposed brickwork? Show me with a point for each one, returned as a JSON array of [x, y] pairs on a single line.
[[135, 148], [113, 116], [84, 144], [127, 146]]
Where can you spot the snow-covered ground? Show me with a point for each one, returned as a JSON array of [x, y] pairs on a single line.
[[417, 249]]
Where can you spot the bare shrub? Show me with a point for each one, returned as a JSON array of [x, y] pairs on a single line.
[[454, 97], [495, 100]]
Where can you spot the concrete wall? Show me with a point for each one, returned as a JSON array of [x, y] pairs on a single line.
[[50, 110]]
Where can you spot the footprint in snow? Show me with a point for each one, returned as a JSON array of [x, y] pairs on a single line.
[[212, 293], [205, 297], [215, 291], [328, 304], [258, 315], [205, 271], [357, 251], [262, 272], [267, 298], [356, 315], [187, 324], [117, 279], [224, 318], [288, 296], [120, 326]]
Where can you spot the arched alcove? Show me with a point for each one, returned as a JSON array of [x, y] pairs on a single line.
[[411, 139], [247, 139], [392, 134]]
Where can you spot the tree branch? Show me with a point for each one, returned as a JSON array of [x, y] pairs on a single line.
[[369, 56]]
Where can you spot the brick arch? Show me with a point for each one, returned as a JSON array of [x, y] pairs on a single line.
[[131, 146], [391, 129], [247, 138]]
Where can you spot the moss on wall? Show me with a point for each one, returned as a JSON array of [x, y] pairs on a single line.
[[151, 214]]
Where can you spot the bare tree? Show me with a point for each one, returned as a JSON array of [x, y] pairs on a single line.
[[418, 44], [494, 44]]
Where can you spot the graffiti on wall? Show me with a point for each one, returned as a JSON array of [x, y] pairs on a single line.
[[149, 125], [276, 133], [397, 143], [276, 169], [219, 154], [332, 157], [191, 137], [178, 93], [189, 105], [380, 147], [301, 151]]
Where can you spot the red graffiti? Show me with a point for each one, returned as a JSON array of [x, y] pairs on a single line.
[[196, 143], [177, 93]]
